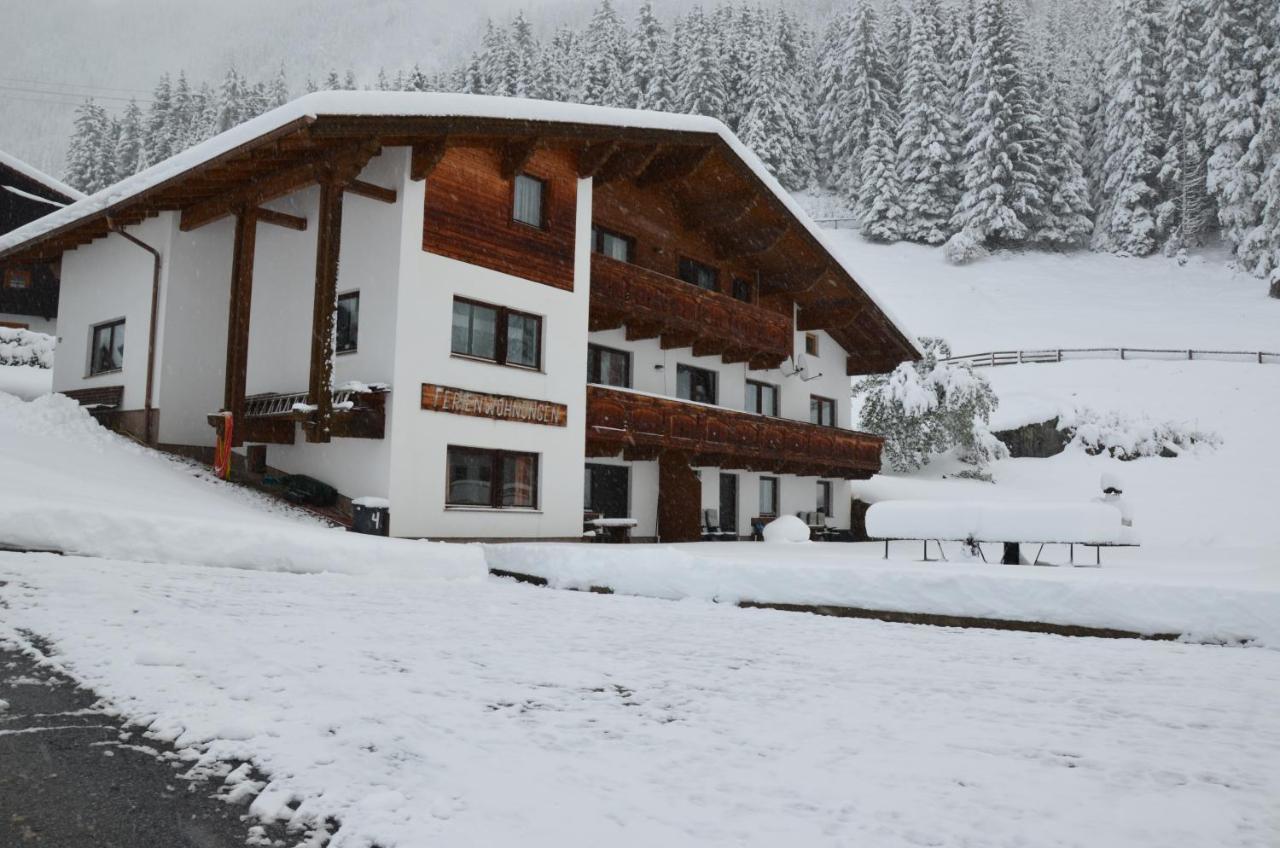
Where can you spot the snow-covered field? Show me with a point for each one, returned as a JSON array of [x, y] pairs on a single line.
[[1011, 301], [474, 715]]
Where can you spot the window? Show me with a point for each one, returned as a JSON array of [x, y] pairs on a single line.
[[824, 497], [17, 278], [348, 321], [527, 207], [106, 352], [702, 276], [695, 384], [768, 495], [496, 479], [744, 290], [611, 244], [608, 367], [811, 344], [498, 334], [822, 411], [762, 398]]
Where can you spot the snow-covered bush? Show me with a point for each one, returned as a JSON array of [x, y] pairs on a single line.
[[23, 347], [786, 529], [926, 408], [963, 248], [1131, 438]]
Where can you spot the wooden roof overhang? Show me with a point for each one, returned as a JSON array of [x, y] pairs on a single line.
[[737, 209]]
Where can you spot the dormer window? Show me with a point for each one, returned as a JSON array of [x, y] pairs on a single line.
[[527, 205]]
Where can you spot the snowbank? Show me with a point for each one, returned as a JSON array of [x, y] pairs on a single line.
[[786, 529], [994, 521], [833, 574], [25, 381], [23, 347], [85, 490]]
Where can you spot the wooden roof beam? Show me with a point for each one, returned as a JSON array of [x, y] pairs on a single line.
[[280, 219], [516, 154], [676, 164], [592, 157], [717, 210], [426, 156], [626, 162], [371, 191], [742, 243]]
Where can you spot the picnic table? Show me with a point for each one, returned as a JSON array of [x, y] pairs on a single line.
[[615, 530], [1011, 524]]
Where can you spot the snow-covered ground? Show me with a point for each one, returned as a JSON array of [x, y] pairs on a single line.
[[1031, 300], [462, 714], [25, 381]]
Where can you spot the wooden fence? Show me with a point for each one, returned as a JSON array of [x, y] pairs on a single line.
[[1063, 354]]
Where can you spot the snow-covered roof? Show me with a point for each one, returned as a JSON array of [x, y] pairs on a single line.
[[15, 164], [399, 104]]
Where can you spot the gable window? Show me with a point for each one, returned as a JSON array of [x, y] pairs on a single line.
[[348, 322], [768, 495], [824, 497], [106, 352], [611, 244], [822, 411], [497, 479], [811, 344], [696, 384], [17, 278], [497, 334], [608, 367], [529, 194], [702, 276], [744, 290], [762, 398]]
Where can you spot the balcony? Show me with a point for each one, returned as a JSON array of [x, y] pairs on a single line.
[[652, 305], [642, 426]]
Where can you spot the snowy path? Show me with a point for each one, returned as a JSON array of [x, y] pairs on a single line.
[[486, 714]]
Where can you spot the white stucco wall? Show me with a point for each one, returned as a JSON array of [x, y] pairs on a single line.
[[102, 281], [192, 339], [418, 468]]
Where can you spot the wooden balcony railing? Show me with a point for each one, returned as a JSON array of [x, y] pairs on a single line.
[[653, 305], [271, 418], [642, 426]]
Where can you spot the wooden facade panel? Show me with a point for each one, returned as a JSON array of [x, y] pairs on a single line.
[[469, 214]]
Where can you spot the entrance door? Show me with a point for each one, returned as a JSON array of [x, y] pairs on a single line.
[[607, 488], [729, 502]]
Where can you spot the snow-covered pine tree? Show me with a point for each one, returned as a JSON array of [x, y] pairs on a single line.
[[129, 153], [833, 118], [417, 80], [231, 97], [794, 42], [181, 116], [349, 81], [1133, 134], [1000, 197], [494, 60], [603, 81], [87, 152], [740, 46], [522, 54], [1185, 210], [332, 82], [896, 42], [700, 87], [926, 158], [767, 127], [278, 95], [1067, 213], [879, 208], [1261, 249], [157, 144], [868, 90], [650, 84], [1235, 54]]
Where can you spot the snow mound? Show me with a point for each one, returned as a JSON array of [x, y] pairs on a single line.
[[787, 529], [1128, 437], [24, 347]]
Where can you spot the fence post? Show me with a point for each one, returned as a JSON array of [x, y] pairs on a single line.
[[1019, 357], [1259, 357], [1189, 356], [993, 359], [1059, 354], [1122, 353]]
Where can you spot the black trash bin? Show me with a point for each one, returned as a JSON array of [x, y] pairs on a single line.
[[371, 516]]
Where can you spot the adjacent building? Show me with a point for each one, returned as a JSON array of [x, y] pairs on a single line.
[[499, 314], [29, 292]]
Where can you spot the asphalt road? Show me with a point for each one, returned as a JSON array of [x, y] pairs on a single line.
[[73, 777]]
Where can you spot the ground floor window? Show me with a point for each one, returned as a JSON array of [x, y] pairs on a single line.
[[824, 497], [695, 384], [106, 353], [608, 367], [768, 495], [494, 478], [606, 490], [348, 321]]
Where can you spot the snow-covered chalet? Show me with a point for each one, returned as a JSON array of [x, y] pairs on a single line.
[[498, 314]]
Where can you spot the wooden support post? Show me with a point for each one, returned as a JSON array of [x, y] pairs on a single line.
[[679, 499], [238, 319], [328, 243]]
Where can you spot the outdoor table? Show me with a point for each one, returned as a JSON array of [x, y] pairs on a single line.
[[615, 530]]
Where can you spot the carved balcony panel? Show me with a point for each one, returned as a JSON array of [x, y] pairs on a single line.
[[640, 426]]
